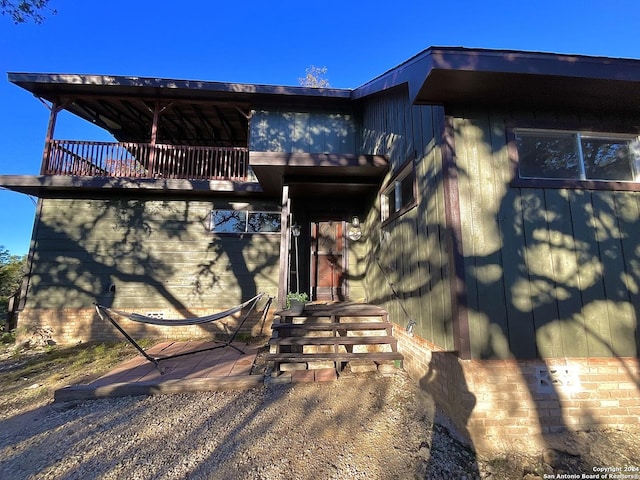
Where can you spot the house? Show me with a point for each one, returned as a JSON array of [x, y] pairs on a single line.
[[487, 200]]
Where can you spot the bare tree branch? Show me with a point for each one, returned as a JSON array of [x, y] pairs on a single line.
[[314, 77], [21, 11]]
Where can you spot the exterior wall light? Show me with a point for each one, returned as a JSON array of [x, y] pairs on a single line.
[[355, 231]]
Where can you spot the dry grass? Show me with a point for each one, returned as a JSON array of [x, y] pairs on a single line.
[[29, 378]]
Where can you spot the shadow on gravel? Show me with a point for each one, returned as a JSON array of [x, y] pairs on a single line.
[[43, 440], [353, 428], [443, 383], [360, 427]]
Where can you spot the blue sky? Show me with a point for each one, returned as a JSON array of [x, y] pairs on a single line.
[[267, 42]]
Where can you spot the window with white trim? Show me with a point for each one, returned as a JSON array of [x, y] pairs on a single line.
[[244, 221], [400, 194], [576, 155]]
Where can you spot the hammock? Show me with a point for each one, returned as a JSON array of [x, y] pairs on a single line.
[[184, 321], [105, 312]]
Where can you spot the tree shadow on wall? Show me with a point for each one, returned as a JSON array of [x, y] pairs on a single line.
[[557, 279], [248, 262], [549, 274], [138, 255], [78, 262]]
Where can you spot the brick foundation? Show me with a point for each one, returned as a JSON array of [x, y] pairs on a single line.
[[505, 404], [69, 326]]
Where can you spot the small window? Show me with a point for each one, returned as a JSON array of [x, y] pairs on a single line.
[[263, 222], [243, 221], [400, 194], [548, 154]]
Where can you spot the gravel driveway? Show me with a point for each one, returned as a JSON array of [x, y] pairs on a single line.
[[360, 427]]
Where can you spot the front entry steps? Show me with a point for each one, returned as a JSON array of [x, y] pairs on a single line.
[[333, 335]]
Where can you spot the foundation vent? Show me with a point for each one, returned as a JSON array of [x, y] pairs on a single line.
[[554, 379], [156, 315]]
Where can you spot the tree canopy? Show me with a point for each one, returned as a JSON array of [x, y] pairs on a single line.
[[22, 11], [314, 77], [12, 269]]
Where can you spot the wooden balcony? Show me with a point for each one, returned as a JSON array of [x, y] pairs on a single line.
[[143, 160]]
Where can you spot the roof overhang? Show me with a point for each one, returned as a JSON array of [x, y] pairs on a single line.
[[48, 84], [310, 175], [190, 112], [498, 78]]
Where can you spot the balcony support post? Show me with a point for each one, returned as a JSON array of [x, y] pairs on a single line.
[[154, 138], [53, 115], [285, 248]]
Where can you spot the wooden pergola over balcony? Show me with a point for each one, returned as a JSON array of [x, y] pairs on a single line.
[[162, 129], [169, 141], [172, 136], [145, 160]]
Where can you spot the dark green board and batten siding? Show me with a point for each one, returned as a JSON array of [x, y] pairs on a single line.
[[155, 254], [548, 272], [408, 254], [308, 132]]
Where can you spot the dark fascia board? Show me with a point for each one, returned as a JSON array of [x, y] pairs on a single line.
[[273, 169], [457, 75], [437, 76], [317, 160], [46, 185], [53, 85], [411, 72]]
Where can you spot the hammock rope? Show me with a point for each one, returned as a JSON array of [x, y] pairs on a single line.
[[105, 314]]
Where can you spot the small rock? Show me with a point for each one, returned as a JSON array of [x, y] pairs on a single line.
[[551, 457], [290, 367], [362, 366], [424, 453]]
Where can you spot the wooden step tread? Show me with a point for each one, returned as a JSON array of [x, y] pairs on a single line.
[[334, 326], [333, 357], [360, 340], [344, 310]]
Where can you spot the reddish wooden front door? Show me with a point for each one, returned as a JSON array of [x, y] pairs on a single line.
[[328, 261]]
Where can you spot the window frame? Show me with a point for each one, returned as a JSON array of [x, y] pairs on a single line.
[[246, 230], [395, 184], [571, 183]]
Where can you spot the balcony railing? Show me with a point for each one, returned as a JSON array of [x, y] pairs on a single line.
[[143, 160]]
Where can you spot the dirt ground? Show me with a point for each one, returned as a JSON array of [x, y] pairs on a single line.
[[369, 426]]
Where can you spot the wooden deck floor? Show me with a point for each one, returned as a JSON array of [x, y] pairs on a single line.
[[219, 369]]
